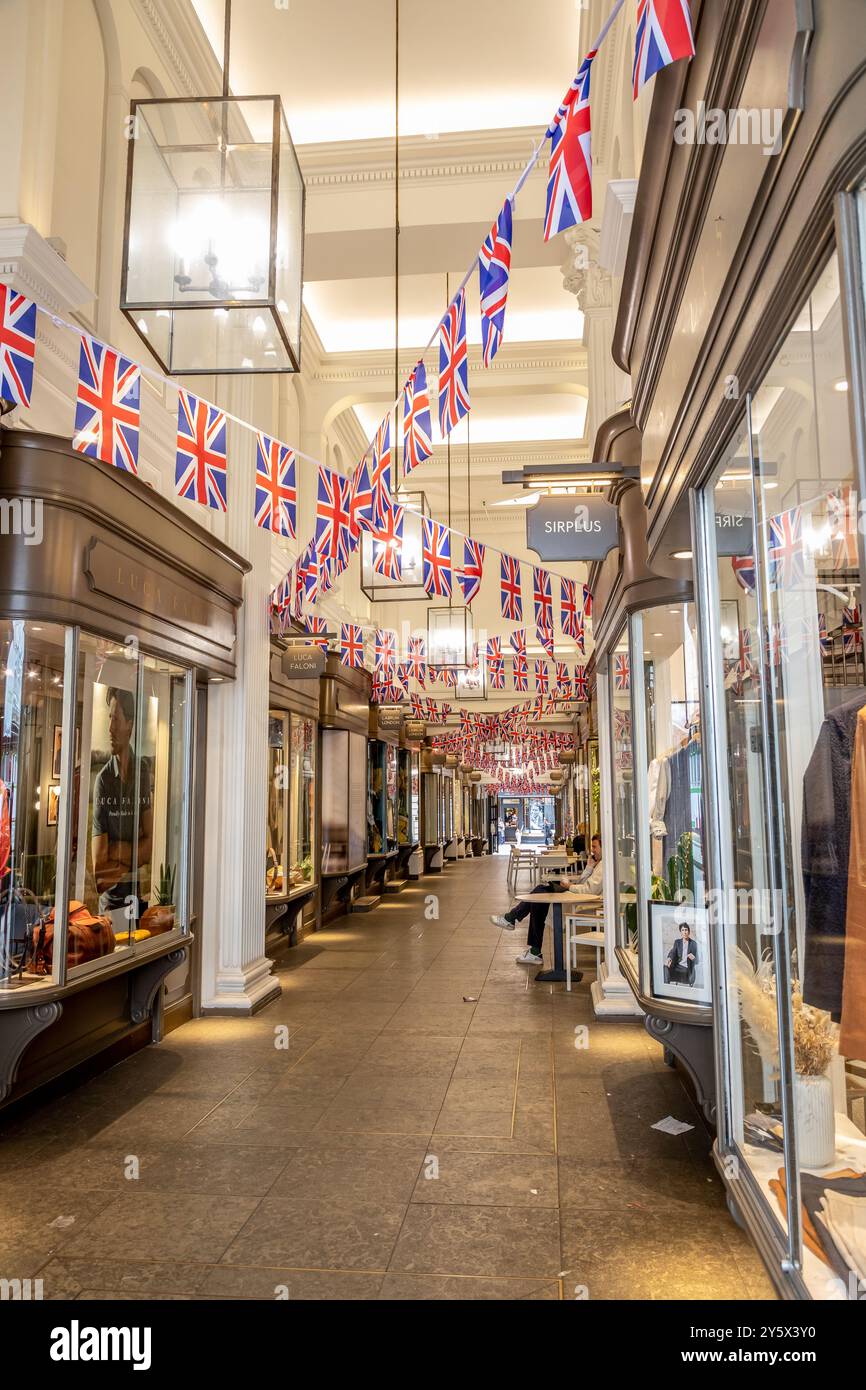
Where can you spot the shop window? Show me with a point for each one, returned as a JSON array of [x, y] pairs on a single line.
[[302, 787], [278, 802], [779, 528]]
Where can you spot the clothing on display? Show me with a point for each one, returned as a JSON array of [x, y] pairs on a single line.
[[822, 1215], [659, 783], [852, 1035], [684, 773], [825, 845]]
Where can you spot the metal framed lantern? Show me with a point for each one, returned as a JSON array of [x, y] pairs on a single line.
[[449, 637], [214, 235], [376, 587]]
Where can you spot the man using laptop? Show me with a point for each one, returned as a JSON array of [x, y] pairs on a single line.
[[589, 883]]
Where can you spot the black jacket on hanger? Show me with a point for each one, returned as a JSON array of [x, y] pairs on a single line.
[[826, 837]]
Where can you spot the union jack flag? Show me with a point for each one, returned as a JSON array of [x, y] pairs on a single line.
[[518, 641], [494, 269], [17, 346], [520, 673], [581, 690], [418, 658], [823, 635], [543, 600], [437, 558], [403, 677], [276, 491], [587, 602], [542, 676], [380, 474], [842, 518], [744, 571], [388, 545], [308, 574], [318, 627], [417, 433], [333, 516], [744, 664], [108, 406], [778, 644], [568, 612], [580, 634], [786, 552], [497, 674], [510, 600], [361, 499], [562, 676], [385, 650], [663, 35], [453, 366], [852, 632], [417, 706], [352, 646], [473, 569], [494, 649], [622, 672], [200, 465], [569, 184]]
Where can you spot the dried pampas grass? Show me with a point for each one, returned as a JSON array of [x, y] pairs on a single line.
[[815, 1034]]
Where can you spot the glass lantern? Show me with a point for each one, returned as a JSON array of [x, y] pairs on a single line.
[[449, 637], [214, 235], [376, 587]]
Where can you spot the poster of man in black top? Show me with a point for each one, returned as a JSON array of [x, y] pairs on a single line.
[[122, 831]]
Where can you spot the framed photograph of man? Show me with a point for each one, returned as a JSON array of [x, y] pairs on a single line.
[[53, 804], [679, 952]]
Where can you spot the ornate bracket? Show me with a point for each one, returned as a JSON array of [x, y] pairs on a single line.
[[18, 1028], [146, 980], [692, 1045]]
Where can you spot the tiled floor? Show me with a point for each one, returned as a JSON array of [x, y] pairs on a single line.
[[430, 1132]]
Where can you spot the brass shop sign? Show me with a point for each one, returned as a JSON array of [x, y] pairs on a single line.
[[415, 728], [301, 663], [389, 716], [582, 527]]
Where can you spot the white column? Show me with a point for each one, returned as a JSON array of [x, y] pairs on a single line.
[[585, 278], [611, 993], [237, 976]]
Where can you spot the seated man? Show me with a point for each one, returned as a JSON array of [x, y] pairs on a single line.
[[681, 960], [589, 882]]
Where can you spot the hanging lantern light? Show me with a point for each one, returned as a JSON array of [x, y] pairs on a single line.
[[449, 637], [410, 586], [214, 233]]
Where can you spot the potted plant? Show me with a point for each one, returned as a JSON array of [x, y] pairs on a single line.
[[160, 917]]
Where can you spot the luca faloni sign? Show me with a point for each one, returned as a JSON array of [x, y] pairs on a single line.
[[572, 528]]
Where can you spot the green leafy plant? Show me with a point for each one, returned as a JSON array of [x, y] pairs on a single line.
[[165, 886]]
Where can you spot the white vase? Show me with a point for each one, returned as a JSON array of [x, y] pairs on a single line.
[[815, 1120]]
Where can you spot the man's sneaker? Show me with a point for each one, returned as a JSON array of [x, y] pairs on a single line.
[[530, 958], [502, 922]]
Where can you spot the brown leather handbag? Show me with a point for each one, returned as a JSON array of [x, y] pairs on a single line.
[[88, 938]]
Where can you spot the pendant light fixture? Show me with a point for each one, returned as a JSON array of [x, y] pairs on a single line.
[[214, 232], [449, 630]]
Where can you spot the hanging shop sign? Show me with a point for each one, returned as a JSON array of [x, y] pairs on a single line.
[[415, 729], [572, 528], [302, 663], [734, 523], [389, 716]]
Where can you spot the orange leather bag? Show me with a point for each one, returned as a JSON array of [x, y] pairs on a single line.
[[88, 938]]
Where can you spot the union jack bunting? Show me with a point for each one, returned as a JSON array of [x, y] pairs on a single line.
[[17, 345], [496, 670], [417, 706], [200, 466], [449, 675], [852, 632], [453, 366], [542, 677], [744, 665], [417, 433], [580, 633], [388, 545], [622, 672], [385, 650], [318, 628], [108, 406], [569, 184], [520, 673], [276, 491], [510, 600], [494, 269], [587, 602], [361, 499], [842, 518], [352, 646], [786, 553], [333, 516], [778, 644], [518, 641], [418, 658], [581, 689], [437, 558], [823, 635], [744, 571], [663, 35], [543, 607], [494, 649], [562, 676], [568, 607], [473, 569], [380, 474], [402, 676], [308, 573]]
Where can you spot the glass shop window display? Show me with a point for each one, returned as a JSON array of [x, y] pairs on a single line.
[[784, 523]]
